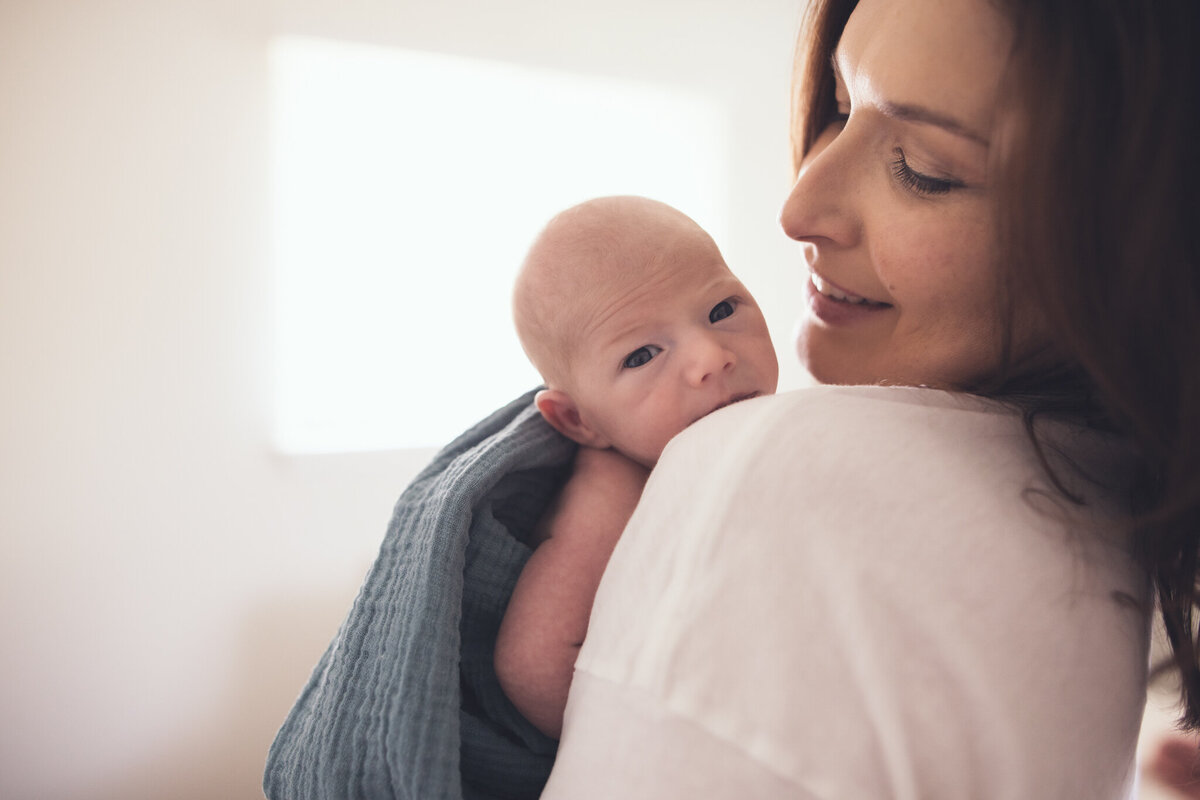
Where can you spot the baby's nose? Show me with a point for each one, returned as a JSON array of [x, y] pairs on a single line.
[[709, 359]]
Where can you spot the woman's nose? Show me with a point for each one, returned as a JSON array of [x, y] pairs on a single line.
[[708, 359], [821, 207]]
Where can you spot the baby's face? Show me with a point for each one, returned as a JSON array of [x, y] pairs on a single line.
[[664, 348]]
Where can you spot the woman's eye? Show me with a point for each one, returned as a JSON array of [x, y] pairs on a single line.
[[720, 311], [641, 356], [917, 182]]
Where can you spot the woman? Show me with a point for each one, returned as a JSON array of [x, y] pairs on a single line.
[[938, 581]]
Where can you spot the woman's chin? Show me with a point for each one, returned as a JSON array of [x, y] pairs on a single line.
[[827, 364], [833, 359], [831, 373]]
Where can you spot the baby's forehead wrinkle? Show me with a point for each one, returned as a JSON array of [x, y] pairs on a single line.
[[601, 321], [621, 316]]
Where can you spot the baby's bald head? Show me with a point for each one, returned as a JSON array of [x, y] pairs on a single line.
[[596, 243]]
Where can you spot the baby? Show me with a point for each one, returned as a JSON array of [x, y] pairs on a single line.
[[638, 328]]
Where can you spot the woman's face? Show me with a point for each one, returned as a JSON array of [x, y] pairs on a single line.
[[893, 204]]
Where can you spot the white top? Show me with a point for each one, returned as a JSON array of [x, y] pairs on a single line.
[[861, 592]]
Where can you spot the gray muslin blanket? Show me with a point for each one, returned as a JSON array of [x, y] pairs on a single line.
[[405, 702]]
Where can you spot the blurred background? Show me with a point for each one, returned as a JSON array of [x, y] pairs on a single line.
[[254, 264], [199, 335]]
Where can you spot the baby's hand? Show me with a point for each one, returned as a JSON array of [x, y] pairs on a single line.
[[598, 500], [618, 478], [547, 616]]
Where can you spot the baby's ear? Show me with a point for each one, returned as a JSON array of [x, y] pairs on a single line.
[[560, 411]]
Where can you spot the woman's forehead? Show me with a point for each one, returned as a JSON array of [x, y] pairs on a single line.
[[946, 57]]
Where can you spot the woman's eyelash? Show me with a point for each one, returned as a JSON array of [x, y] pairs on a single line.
[[917, 182]]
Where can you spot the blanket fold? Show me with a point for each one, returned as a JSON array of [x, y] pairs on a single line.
[[405, 702]]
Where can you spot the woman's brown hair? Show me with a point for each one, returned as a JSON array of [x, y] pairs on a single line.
[[1097, 179]]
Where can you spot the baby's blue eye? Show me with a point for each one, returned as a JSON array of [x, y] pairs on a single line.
[[720, 311], [641, 356]]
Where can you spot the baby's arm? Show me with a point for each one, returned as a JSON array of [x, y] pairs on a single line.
[[547, 616]]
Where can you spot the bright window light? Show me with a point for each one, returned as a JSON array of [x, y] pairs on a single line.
[[406, 188]]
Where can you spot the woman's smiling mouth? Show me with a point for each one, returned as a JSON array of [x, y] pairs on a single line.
[[836, 307], [827, 289]]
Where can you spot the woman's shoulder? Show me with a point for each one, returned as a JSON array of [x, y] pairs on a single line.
[[899, 457], [875, 429], [892, 411], [886, 555]]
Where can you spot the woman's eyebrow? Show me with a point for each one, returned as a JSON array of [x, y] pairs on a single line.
[[908, 112], [914, 113]]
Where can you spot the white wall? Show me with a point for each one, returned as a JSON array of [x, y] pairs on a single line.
[[167, 581]]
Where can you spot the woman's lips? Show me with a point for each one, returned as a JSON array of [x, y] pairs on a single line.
[[835, 292], [835, 306]]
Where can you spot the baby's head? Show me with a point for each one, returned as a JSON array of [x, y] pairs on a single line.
[[628, 311]]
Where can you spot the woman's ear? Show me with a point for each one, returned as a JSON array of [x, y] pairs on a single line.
[[557, 407]]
